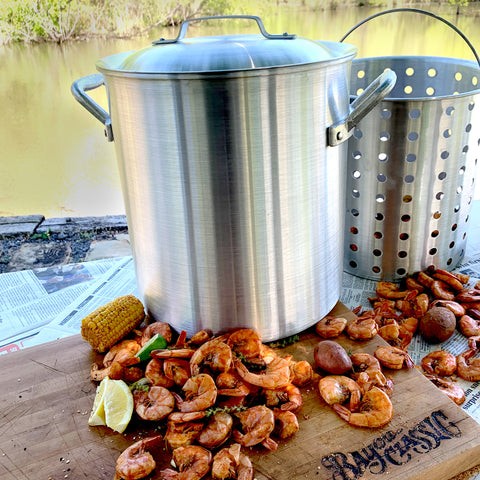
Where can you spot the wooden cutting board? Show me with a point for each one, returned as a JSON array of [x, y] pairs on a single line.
[[46, 397]]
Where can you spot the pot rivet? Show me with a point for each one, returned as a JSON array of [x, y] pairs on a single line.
[[339, 135]]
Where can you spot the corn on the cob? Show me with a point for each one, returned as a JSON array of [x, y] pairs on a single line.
[[109, 323]]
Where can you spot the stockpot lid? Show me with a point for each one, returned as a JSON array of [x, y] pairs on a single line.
[[226, 52]]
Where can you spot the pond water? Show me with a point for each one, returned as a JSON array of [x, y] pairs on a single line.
[[55, 158]]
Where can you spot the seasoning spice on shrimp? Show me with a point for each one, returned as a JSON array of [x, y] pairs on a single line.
[[193, 462], [375, 410], [197, 388], [439, 362], [136, 461]]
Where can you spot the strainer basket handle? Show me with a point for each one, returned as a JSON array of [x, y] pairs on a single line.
[[423, 12]]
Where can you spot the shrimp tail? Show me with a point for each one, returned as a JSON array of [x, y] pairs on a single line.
[[355, 398], [269, 444], [409, 362], [341, 411], [168, 474]]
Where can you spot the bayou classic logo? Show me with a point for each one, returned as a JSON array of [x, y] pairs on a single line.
[[392, 448]]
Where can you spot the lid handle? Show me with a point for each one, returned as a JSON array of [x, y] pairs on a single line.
[[184, 27]]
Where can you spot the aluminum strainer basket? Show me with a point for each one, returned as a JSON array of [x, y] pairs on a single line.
[[411, 166]]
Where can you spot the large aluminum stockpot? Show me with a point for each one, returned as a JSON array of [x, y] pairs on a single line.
[[232, 170]]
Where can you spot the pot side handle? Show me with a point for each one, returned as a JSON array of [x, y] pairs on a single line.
[[84, 84], [363, 104]]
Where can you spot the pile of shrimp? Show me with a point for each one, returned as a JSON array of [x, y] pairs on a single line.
[[395, 315], [213, 397], [362, 396]]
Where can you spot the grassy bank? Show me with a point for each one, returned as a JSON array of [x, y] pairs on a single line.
[[63, 20]]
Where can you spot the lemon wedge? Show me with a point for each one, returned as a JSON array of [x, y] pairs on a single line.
[[97, 416], [118, 405]]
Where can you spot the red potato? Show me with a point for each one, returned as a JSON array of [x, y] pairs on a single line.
[[331, 357]]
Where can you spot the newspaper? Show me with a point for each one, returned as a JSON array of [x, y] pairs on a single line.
[[118, 280], [30, 299]]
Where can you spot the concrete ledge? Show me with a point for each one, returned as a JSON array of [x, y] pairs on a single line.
[[20, 225], [82, 224], [28, 225]]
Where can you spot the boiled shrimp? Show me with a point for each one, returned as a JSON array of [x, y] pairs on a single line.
[[408, 327], [182, 434], [275, 375], [439, 362], [123, 352], [119, 356], [365, 384], [390, 333], [193, 462], [132, 374], [257, 423], [456, 308], [225, 462], [449, 278], [186, 417], [245, 468], [232, 385], [301, 373], [200, 337], [155, 374], [245, 342], [338, 389], [215, 355], [425, 280], [230, 462], [387, 387], [286, 423], [474, 312], [285, 398], [267, 356], [393, 357], [474, 341], [113, 371], [216, 431], [330, 326], [161, 328], [470, 295], [439, 288], [414, 304], [464, 278], [375, 410], [136, 462], [154, 404], [390, 290], [173, 353], [200, 393], [469, 326], [363, 327], [177, 370], [468, 368], [449, 388], [366, 363], [412, 284], [384, 306], [442, 290]]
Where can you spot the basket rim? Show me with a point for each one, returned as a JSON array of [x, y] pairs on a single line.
[[463, 62]]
